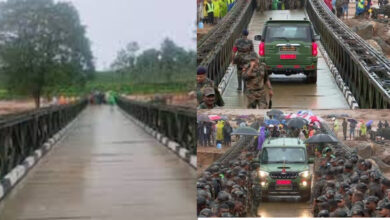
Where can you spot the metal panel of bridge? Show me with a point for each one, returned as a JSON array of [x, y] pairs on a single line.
[[290, 92], [106, 168]]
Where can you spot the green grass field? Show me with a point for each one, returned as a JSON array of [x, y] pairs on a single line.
[[107, 81]]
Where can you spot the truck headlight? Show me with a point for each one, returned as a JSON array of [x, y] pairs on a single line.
[[263, 173], [305, 174]]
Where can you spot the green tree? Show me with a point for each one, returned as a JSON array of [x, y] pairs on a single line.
[[42, 46], [125, 59]]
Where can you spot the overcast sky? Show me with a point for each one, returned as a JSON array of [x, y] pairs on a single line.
[[111, 24]]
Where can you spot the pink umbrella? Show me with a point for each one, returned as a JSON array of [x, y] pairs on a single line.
[[215, 117], [314, 118]]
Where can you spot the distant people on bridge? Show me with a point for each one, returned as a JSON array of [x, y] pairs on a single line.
[[329, 4], [360, 7], [345, 127], [204, 82], [256, 78], [230, 4], [339, 8], [210, 11], [241, 48], [227, 131], [345, 7]]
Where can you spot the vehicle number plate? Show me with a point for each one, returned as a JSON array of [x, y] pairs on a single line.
[[288, 56], [283, 185], [284, 48]]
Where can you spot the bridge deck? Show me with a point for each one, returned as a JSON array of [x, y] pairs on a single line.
[[106, 168], [291, 91]]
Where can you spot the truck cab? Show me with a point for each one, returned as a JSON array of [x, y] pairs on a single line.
[[284, 168], [289, 47]]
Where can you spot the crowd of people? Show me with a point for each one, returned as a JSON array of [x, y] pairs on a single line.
[[98, 97], [214, 133], [211, 11], [363, 7], [344, 184], [358, 129]]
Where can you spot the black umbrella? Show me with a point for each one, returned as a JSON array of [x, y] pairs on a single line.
[[351, 120], [203, 118], [274, 112], [296, 123], [245, 131], [321, 138]]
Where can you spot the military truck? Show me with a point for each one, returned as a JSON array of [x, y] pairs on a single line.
[[289, 47], [284, 168]]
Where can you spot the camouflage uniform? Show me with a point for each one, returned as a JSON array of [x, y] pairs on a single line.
[[244, 47], [200, 86], [208, 83], [255, 193], [255, 82]]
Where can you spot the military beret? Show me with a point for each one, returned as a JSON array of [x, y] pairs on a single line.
[[201, 70]]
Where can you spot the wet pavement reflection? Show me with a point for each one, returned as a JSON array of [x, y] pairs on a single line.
[[292, 208], [290, 91], [106, 168]]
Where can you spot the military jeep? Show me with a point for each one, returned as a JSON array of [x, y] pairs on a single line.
[[284, 168], [289, 47]]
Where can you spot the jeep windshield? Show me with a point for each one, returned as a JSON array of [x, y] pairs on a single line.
[[283, 155], [288, 33]]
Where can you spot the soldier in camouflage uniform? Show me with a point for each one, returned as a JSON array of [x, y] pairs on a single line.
[[204, 82], [256, 78], [242, 47], [255, 191]]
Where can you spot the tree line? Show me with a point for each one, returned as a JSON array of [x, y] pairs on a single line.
[[169, 64]]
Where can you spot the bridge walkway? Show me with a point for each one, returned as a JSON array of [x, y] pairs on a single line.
[[105, 168]]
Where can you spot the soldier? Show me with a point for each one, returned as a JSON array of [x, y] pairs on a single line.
[[374, 187], [386, 199], [255, 190], [341, 206], [370, 206], [203, 82], [255, 79], [261, 5], [242, 47], [208, 99], [384, 210]]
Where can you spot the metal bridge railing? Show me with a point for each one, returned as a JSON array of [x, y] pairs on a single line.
[[364, 70], [176, 123], [215, 49], [22, 134]]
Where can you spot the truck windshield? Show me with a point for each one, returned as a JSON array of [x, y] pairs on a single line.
[[283, 155], [288, 33]]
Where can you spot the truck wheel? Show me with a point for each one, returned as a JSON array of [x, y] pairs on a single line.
[[311, 77]]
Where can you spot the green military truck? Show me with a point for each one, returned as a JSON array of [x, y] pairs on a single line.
[[284, 168], [289, 47]]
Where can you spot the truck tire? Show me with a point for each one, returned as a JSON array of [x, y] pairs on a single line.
[[311, 77]]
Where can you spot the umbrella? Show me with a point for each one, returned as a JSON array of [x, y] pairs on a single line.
[[351, 120], [296, 123], [369, 122], [274, 112], [224, 117], [245, 131], [261, 138], [321, 138], [203, 118], [314, 118], [271, 122], [214, 117]]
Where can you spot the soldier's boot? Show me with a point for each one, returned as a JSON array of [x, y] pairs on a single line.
[[239, 80]]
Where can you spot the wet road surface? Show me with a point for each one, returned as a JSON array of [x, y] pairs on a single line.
[[276, 207], [106, 168], [290, 91]]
